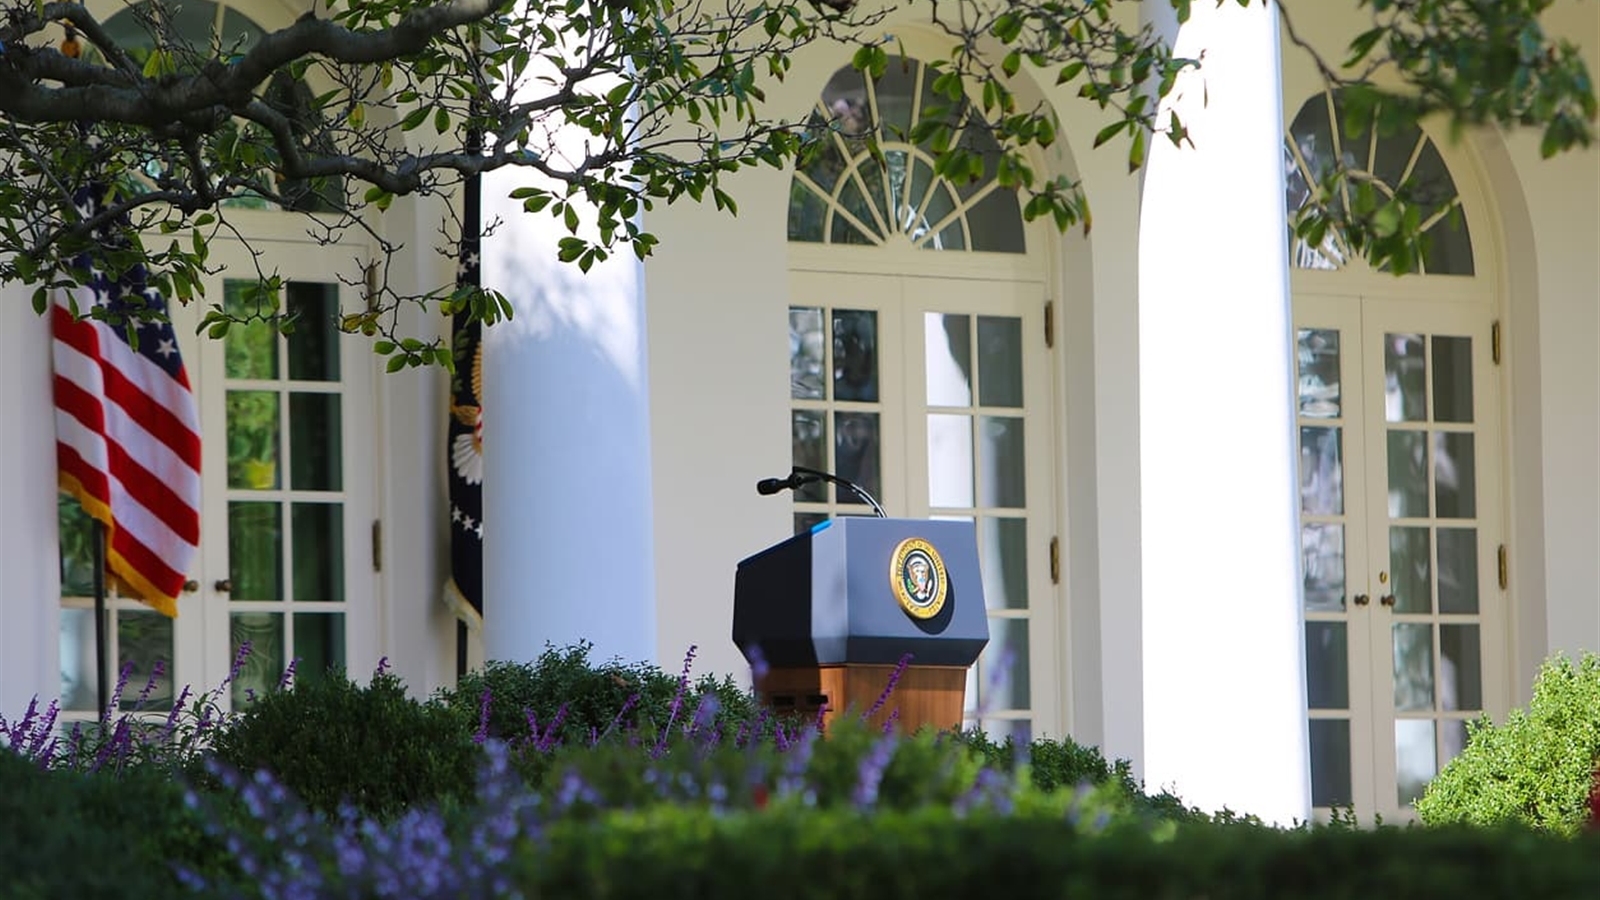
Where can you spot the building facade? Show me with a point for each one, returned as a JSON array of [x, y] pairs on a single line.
[[1267, 522]]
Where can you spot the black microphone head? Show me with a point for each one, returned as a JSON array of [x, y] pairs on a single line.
[[772, 485]]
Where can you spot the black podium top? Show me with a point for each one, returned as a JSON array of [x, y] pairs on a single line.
[[864, 591]]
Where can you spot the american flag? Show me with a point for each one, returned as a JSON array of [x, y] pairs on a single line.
[[127, 428]]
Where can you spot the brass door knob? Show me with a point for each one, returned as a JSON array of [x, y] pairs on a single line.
[[1362, 599], [224, 585], [191, 586], [1387, 600]]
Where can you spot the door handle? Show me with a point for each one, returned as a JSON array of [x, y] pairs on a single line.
[[224, 585], [191, 586], [1387, 600], [1362, 599]]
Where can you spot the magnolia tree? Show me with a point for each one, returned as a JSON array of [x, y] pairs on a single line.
[[362, 101]]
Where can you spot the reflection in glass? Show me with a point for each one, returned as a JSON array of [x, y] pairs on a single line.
[[1405, 378], [314, 343], [948, 346], [1452, 379], [77, 660], [1413, 666], [144, 638], [1450, 246], [77, 539], [264, 665], [1408, 474], [1458, 570], [950, 466], [315, 442], [1452, 739], [1414, 758], [255, 550], [1455, 475], [1005, 563], [1410, 573], [1327, 666], [1003, 667], [1322, 557], [1000, 360], [1321, 471], [805, 353], [855, 355], [855, 454], [1330, 762], [1317, 351], [1460, 668], [996, 223], [318, 644], [318, 560], [252, 439], [1018, 731], [810, 450], [1002, 480], [249, 350]]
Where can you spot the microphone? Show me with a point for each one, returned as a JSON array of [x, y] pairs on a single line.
[[800, 475]]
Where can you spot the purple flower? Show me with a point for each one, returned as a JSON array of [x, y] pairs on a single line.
[[758, 662], [286, 680], [894, 679], [677, 701], [869, 775], [482, 733]]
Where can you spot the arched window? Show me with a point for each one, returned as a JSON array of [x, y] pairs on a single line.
[[868, 185], [1402, 159]]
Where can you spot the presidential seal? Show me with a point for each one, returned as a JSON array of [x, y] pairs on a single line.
[[917, 577]]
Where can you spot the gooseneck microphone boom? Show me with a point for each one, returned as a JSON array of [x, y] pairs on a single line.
[[800, 475]]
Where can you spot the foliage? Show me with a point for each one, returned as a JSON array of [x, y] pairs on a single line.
[[612, 106], [334, 742], [1538, 767]]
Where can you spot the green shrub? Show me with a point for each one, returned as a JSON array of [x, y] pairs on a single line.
[[332, 741], [1537, 768], [69, 834]]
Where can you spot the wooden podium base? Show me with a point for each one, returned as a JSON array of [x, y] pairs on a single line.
[[926, 696]]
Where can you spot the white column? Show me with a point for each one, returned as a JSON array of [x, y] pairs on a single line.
[[568, 553], [1223, 671], [30, 584]]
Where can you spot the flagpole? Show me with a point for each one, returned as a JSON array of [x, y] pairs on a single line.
[[102, 671]]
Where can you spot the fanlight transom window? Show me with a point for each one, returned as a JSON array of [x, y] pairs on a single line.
[[848, 194], [1402, 159]]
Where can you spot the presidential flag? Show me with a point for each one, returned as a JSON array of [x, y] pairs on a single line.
[[127, 428], [464, 435]]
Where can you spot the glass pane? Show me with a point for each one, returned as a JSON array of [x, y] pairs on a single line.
[[1411, 577], [1327, 666], [1019, 731], [314, 442], [804, 522], [1413, 667], [255, 550], [314, 343], [252, 439], [951, 237], [1321, 471], [1452, 379], [263, 667], [1455, 475], [1394, 153], [1318, 353], [143, 639], [1452, 739], [318, 551], [810, 450], [77, 660], [948, 347], [940, 204], [1413, 758], [806, 357], [1408, 474], [1330, 762], [950, 466], [855, 454], [1003, 667], [318, 644], [1458, 570], [1003, 479], [1450, 246], [1000, 360], [996, 223], [1005, 563], [1322, 552], [855, 355], [249, 351], [846, 231], [1460, 668], [1405, 378], [806, 212], [77, 547]]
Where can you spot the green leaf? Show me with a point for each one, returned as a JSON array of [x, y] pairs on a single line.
[[1136, 153], [1109, 132]]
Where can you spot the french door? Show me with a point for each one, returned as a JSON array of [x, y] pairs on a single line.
[[287, 501], [1401, 531], [935, 395]]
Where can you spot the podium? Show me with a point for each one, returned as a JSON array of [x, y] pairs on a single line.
[[832, 611]]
